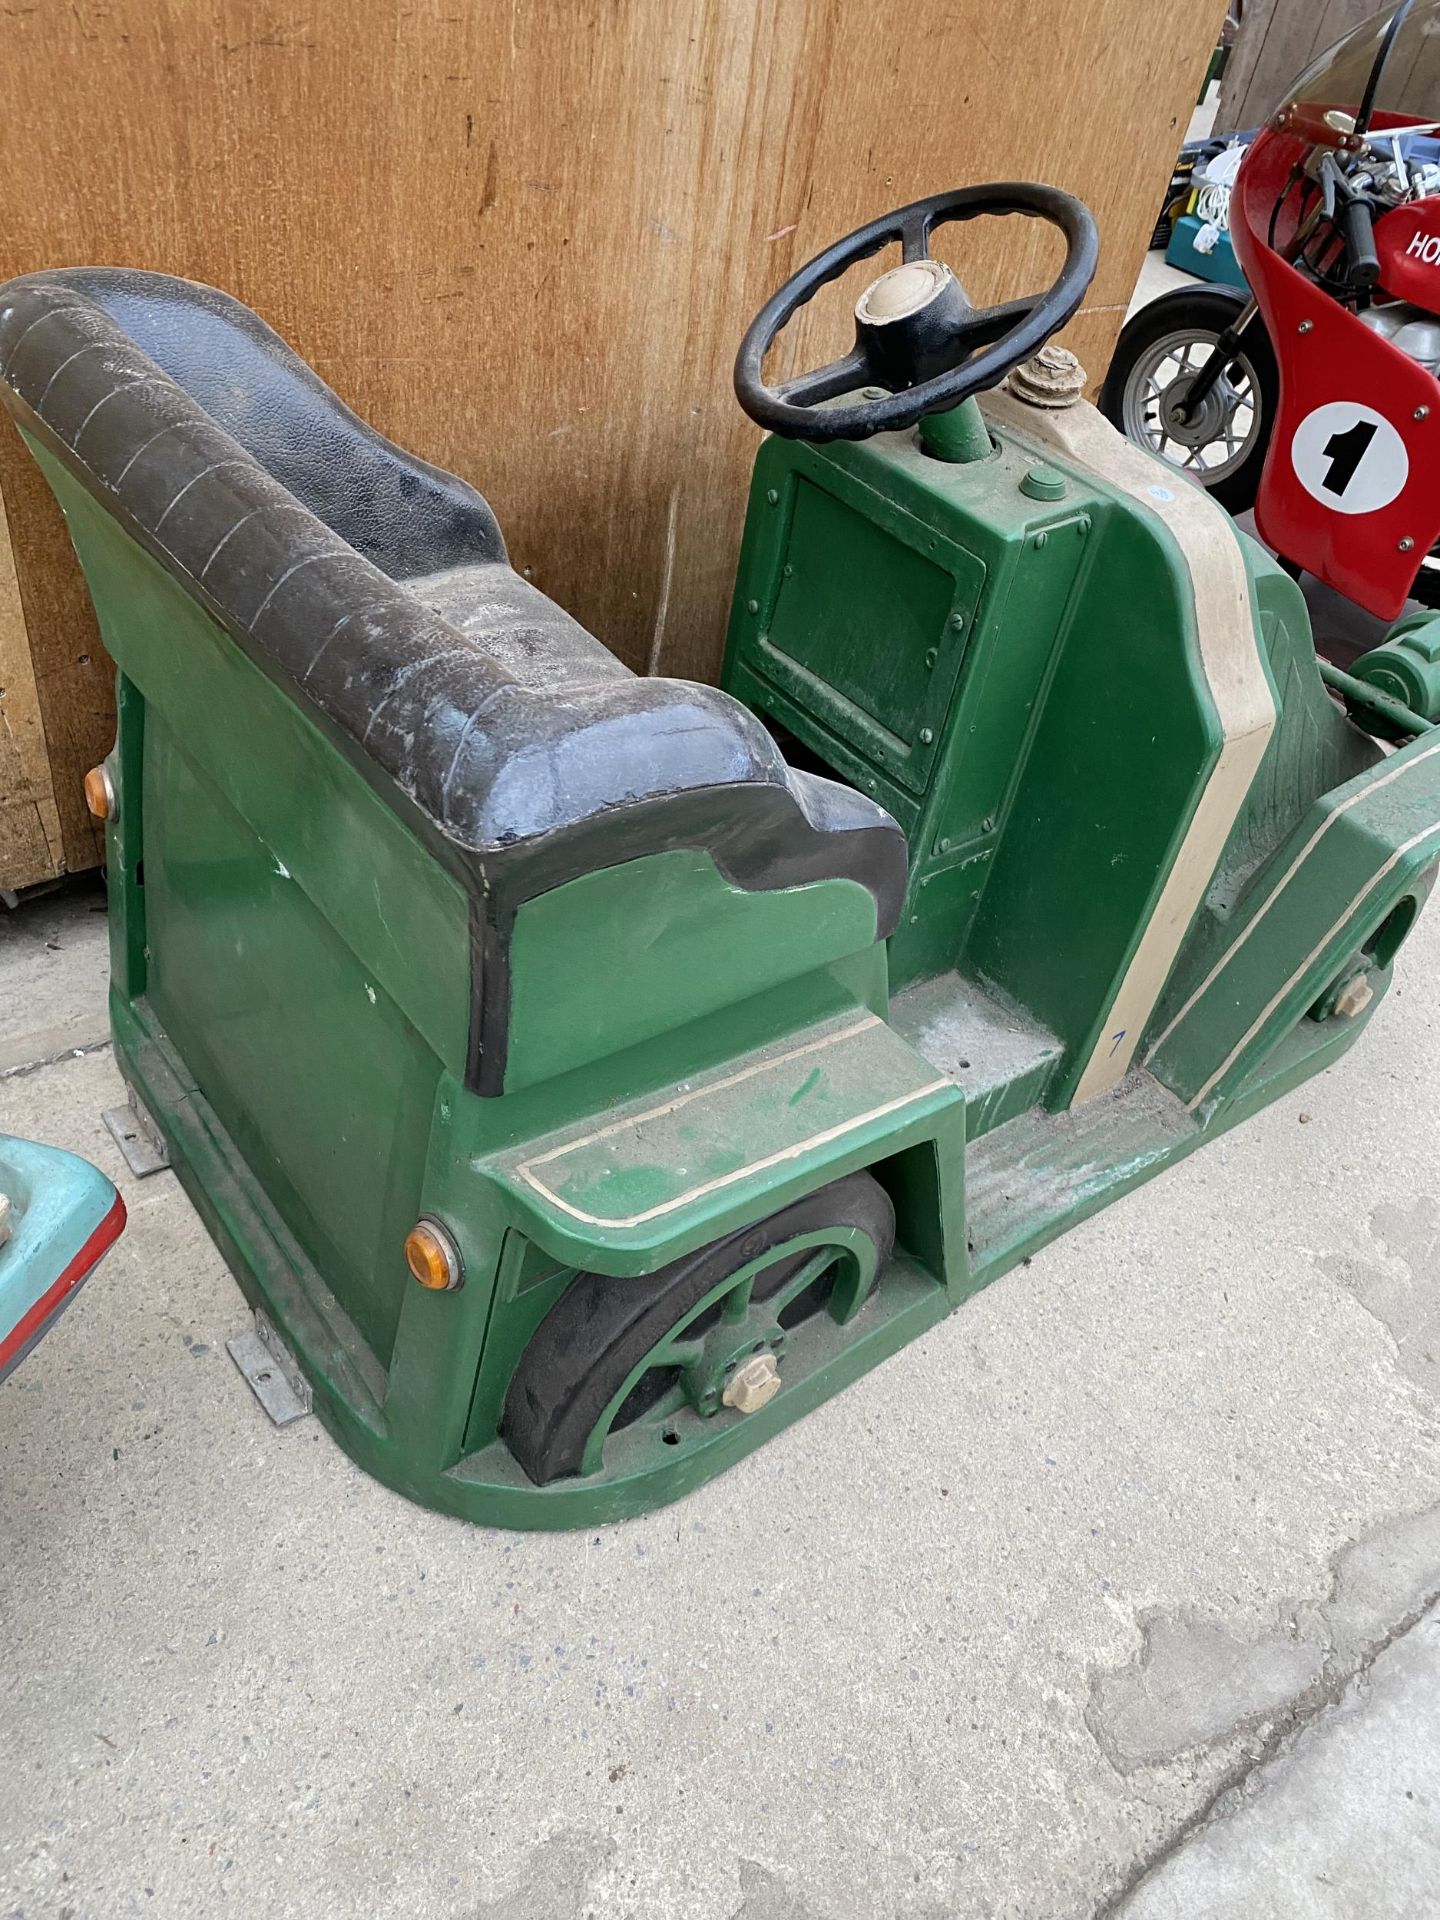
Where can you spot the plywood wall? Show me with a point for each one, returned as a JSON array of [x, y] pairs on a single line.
[[524, 237], [1279, 38], [31, 844]]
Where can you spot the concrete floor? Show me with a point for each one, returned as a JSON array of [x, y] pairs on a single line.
[[1157, 276], [993, 1634]]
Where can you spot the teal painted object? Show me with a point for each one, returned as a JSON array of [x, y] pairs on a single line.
[[60, 1216], [1219, 264]]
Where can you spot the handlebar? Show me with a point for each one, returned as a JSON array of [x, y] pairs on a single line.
[[1357, 229]]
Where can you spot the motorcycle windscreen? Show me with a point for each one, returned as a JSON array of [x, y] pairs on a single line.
[[1351, 485]]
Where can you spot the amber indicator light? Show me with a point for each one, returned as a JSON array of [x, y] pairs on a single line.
[[99, 794], [432, 1256]]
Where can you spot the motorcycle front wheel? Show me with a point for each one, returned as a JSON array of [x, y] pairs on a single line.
[[1157, 357]]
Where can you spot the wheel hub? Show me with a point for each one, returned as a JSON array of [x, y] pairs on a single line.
[[1227, 424], [736, 1359], [1211, 417], [754, 1384]]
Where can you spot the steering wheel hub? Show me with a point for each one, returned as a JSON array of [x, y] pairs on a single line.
[[902, 291]]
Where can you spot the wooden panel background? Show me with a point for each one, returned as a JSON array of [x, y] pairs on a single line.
[[1279, 38], [524, 238], [31, 846]]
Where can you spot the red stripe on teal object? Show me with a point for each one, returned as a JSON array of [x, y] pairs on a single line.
[[25, 1330]]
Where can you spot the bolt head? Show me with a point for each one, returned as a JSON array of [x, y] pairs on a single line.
[[773, 496], [752, 606], [1051, 378], [754, 1384], [1306, 326], [1406, 544], [1354, 997], [1422, 413], [926, 736]]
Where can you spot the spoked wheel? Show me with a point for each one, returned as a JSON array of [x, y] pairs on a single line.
[[1157, 358], [707, 1334]]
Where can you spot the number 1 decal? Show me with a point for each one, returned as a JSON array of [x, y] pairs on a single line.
[[1349, 457], [1345, 451]]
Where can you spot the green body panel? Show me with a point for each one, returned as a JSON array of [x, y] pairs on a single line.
[[1025, 716], [823, 1099], [291, 995], [1010, 664], [352, 854], [843, 580], [318, 1076], [1340, 893], [1095, 870], [629, 953], [1080, 731]]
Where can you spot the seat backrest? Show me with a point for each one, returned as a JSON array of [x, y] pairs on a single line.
[[295, 526], [400, 512]]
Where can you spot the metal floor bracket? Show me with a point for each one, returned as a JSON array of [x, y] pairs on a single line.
[[138, 1138], [269, 1366]]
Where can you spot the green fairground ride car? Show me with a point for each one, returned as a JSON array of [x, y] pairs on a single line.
[[583, 1087]]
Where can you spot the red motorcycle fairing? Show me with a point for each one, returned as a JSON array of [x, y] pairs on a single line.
[[1407, 244], [1350, 489]]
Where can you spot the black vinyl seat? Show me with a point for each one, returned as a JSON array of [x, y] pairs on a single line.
[[399, 512], [378, 587]]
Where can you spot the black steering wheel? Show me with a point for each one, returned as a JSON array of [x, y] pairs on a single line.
[[916, 334]]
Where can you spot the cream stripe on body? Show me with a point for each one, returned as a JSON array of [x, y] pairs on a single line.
[[1298, 975], [1230, 656], [740, 1173], [668, 1107], [704, 1092], [1337, 813]]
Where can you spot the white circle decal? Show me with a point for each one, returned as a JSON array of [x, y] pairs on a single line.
[[1349, 458]]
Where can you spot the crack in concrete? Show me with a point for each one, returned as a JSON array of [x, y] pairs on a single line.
[[1194, 1684], [59, 1050], [1367, 1578]]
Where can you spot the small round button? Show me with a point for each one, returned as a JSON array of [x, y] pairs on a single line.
[[1043, 483]]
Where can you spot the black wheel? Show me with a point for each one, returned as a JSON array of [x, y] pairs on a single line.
[[611, 1352], [1156, 358]]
